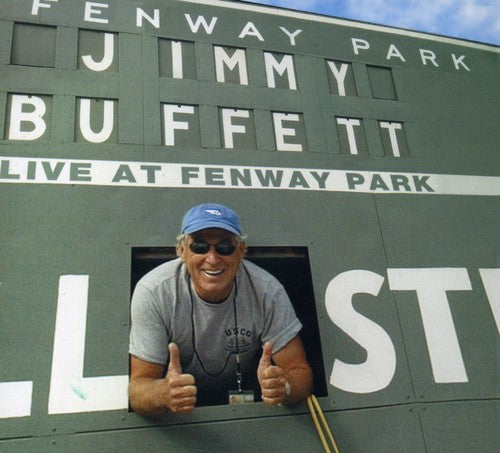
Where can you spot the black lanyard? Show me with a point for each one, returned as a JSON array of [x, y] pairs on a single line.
[[239, 376]]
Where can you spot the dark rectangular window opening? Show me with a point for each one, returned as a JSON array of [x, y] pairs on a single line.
[[382, 83], [290, 265], [34, 45]]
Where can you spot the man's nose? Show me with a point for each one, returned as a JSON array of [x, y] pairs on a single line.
[[212, 256]]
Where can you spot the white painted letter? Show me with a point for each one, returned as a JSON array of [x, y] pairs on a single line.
[[107, 122], [230, 128], [282, 131], [238, 59], [70, 392], [339, 75], [89, 10], [459, 62], [392, 127], [291, 35], [107, 58], [359, 44], [491, 283], [155, 22], [285, 65], [37, 4], [250, 30], [35, 117], [170, 124], [15, 399], [349, 123], [431, 286], [200, 20], [394, 52], [377, 371], [428, 55], [177, 66]]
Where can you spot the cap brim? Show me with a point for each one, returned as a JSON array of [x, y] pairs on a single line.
[[204, 225]]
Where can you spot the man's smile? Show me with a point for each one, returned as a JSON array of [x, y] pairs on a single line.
[[213, 273]]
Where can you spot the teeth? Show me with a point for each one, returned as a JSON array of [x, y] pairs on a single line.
[[213, 272]]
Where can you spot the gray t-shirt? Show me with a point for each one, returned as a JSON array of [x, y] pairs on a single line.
[[165, 308]]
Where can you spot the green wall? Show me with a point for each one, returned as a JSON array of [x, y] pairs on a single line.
[[427, 218]]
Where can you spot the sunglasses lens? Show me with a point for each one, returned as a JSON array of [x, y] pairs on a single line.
[[222, 248], [200, 248], [225, 248]]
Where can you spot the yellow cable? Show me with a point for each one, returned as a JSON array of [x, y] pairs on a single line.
[[317, 425], [325, 423], [314, 407]]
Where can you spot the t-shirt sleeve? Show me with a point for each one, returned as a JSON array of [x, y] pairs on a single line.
[[148, 333], [281, 324]]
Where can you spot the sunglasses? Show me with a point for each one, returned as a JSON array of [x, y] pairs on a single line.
[[223, 248]]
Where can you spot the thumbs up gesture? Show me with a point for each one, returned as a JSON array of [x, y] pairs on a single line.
[[271, 378], [179, 389]]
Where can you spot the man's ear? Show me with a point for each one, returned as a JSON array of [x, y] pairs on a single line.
[[243, 248], [180, 249]]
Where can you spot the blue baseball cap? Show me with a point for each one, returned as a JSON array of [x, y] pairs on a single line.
[[211, 215]]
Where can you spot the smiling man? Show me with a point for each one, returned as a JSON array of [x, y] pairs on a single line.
[[210, 327]]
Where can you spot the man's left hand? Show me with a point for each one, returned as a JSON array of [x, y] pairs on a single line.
[[271, 378]]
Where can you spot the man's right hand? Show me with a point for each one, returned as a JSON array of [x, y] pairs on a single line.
[[180, 389], [153, 393]]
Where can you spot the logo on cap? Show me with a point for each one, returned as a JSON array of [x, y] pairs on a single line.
[[213, 211]]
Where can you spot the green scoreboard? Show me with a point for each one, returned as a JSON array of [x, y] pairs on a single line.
[[364, 163]]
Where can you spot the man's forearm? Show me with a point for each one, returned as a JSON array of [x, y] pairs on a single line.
[[151, 396], [143, 396], [300, 381]]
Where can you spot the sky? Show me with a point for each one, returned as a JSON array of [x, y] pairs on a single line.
[[476, 20]]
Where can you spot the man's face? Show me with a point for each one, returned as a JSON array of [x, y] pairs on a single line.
[[212, 274]]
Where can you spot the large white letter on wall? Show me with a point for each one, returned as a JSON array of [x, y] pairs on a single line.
[[491, 283], [229, 128], [339, 75], [70, 392], [37, 109], [379, 367], [237, 59], [286, 65], [107, 57], [349, 124], [170, 124], [107, 121], [442, 342], [392, 128], [281, 131], [15, 399]]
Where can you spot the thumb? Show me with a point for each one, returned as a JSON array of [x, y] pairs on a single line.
[[174, 365], [266, 359]]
